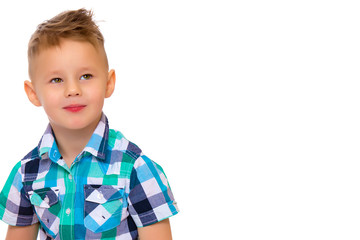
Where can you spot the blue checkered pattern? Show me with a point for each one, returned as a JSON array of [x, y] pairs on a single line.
[[110, 190]]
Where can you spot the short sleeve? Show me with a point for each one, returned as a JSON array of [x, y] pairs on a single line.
[[15, 207], [150, 198]]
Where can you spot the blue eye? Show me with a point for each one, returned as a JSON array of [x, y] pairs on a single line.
[[56, 80], [86, 77]]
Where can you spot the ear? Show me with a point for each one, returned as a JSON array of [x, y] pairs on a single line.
[[31, 94], [110, 85]]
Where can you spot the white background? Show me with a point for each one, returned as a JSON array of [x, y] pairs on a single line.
[[251, 107]]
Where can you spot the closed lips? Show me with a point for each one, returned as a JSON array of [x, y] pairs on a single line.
[[74, 108]]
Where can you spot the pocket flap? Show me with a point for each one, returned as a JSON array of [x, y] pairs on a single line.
[[102, 193], [45, 197]]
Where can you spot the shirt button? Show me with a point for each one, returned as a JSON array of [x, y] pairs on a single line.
[[70, 177], [100, 196], [68, 211]]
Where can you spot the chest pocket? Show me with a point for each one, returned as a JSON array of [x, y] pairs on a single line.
[[103, 206], [47, 207]]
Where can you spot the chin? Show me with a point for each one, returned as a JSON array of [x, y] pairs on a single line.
[[77, 126], [73, 125]]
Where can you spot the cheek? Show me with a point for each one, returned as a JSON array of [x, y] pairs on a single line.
[[97, 97], [50, 101], [96, 92]]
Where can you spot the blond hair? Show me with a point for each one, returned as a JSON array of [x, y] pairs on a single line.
[[75, 24]]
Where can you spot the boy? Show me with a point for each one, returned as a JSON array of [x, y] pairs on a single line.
[[83, 180]]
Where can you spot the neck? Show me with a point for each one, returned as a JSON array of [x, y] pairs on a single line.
[[71, 142]]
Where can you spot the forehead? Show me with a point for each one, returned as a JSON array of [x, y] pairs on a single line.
[[68, 55]]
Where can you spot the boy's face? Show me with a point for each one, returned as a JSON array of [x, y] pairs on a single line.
[[70, 81]]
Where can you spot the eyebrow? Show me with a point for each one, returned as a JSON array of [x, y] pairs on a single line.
[[85, 69], [52, 74], [57, 72]]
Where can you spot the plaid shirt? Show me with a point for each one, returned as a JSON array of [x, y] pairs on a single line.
[[109, 191]]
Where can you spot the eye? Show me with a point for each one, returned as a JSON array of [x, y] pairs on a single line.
[[56, 80], [86, 77]]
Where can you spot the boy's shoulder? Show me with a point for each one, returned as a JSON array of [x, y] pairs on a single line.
[[33, 154], [117, 142]]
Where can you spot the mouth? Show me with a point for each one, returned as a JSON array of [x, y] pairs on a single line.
[[74, 108]]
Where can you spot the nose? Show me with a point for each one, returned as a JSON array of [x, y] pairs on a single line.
[[73, 89]]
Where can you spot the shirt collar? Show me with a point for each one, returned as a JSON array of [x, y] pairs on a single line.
[[96, 145]]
